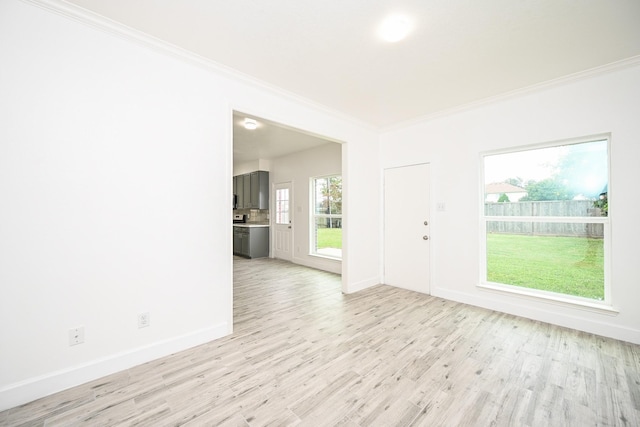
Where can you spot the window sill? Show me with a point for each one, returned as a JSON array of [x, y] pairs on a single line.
[[565, 301]]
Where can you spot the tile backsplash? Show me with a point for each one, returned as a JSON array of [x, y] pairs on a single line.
[[254, 215]]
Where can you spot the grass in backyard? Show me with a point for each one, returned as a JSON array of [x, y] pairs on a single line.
[[565, 265], [329, 238]]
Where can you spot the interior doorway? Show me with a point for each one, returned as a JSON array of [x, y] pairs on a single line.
[[293, 158]]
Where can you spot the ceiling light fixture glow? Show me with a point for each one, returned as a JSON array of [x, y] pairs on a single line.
[[250, 124], [394, 28]]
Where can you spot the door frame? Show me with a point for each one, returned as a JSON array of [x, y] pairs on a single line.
[[266, 113]]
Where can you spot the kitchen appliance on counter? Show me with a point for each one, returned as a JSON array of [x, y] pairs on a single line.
[[239, 218]]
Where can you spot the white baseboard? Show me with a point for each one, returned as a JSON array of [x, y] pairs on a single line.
[[319, 263], [29, 390], [591, 323], [334, 266], [361, 285]]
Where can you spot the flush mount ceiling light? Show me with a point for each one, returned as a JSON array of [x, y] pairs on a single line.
[[394, 28], [250, 124]]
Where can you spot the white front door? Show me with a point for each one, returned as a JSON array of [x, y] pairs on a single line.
[[406, 227], [283, 233]]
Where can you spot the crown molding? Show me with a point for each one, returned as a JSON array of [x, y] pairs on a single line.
[[102, 23], [538, 87], [107, 25]]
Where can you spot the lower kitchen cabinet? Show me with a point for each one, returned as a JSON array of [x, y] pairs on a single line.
[[251, 242]]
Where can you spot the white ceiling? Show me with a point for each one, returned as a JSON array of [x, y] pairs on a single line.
[[269, 140], [459, 52], [327, 51]]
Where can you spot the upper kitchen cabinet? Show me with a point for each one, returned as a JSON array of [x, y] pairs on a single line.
[[238, 189], [252, 190], [259, 190], [246, 192]]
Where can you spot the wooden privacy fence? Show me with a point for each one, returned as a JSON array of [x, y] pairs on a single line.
[[568, 208]]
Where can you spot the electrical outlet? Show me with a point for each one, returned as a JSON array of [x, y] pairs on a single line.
[[76, 335], [144, 320]]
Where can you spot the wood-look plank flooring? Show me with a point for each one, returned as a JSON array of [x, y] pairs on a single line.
[[305, 354]]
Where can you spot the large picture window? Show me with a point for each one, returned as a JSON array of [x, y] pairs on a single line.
[[545, 221], [326, 218]]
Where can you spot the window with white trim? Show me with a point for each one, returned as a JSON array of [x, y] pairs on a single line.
[[283, 214], [326, 216], [545, 220]]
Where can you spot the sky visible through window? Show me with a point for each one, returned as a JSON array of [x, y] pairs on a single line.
[[582, 168]]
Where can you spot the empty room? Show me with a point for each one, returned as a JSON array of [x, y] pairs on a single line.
[[246, 213]]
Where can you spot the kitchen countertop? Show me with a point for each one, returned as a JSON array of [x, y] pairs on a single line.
[[251, 224]]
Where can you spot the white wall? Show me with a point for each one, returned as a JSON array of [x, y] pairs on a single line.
[[298, 168], [604, 103], [114, 162]]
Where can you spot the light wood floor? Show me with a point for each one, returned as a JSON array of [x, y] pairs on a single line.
[[303, 353]]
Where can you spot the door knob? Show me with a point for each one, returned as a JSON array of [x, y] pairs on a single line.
[[425, 237], [426, 223]]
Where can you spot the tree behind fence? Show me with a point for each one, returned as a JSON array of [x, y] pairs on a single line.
[[568, 208]]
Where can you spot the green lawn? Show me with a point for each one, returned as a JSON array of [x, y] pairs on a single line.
[[566, 265], [329, 238]]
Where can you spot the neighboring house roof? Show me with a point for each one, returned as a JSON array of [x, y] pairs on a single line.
[[503, 187]]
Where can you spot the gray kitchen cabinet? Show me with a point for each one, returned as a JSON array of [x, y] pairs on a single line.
[[246, 191], [235, 192], [259, 190], [251, 242], [245, 241], [239, 189], [252, 190], [237, 240]]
